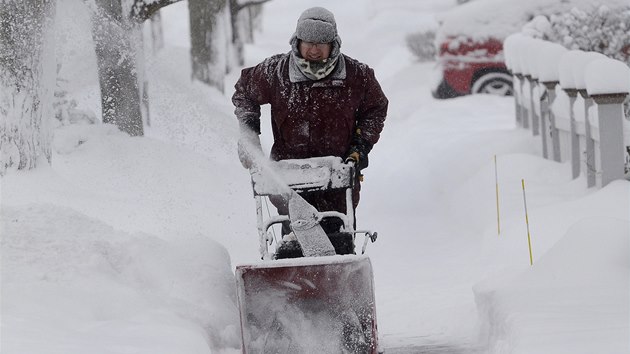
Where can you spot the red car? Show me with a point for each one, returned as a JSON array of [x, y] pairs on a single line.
[[472, 67]]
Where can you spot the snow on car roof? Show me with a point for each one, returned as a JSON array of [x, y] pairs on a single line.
[[483, 19]]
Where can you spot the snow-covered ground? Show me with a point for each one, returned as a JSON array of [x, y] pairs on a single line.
[[128, 245]]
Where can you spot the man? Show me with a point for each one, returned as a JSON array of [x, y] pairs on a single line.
[[323, 103]]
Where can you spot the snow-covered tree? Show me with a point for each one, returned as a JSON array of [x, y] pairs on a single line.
[[209, 38], [243, 15], [116, 32], [27, 79], [142, 10], [113, 36]]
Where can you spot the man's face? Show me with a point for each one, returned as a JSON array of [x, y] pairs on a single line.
[[315, 51]]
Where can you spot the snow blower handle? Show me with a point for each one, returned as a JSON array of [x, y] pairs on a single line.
[[352, 163], [368, 236], [351, 160]]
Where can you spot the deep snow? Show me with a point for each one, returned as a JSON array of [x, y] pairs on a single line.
[[128, 245]]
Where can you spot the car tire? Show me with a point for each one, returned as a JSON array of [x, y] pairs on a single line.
[[444, 91], [495, 83]]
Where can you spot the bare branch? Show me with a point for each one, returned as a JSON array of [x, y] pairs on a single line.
[[142, 10], [245, 4]]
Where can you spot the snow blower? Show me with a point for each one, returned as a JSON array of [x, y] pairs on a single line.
[[323, 300]]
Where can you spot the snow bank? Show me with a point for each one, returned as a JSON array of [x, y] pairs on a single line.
[[71, 282], [573, 300], [576, 294], [115, 247]]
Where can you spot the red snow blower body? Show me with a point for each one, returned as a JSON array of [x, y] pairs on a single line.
[[322, 302]]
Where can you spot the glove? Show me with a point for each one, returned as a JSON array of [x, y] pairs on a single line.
[[359, 150], [249, 149], [359, 158]]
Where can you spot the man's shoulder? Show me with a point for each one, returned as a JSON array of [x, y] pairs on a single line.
[[274, 60], [357, 66]]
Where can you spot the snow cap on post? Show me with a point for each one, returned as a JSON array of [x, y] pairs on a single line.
[[509, 48], [565, 67], [513, 50], [531, 53], [547, 61], [316, 25], [526, 56], [607, 76], [579, 67], [519, 56]]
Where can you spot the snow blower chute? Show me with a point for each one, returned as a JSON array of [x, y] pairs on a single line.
[[322, 301]]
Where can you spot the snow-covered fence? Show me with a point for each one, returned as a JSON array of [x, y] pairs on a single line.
[[574, 101]]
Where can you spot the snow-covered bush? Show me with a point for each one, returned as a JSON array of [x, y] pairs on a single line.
[[422, 45], [538, 27], [605, 30]]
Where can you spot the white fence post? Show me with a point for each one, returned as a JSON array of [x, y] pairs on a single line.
[[518, 97], [512, 62], [581, 60], [528, 69], [544, 122], [554, 136], [547, 54], [603, 81], [526, 117], [575, 139], [611, 146], [608, 83], [534, 100], [571, 141], [589, 163]]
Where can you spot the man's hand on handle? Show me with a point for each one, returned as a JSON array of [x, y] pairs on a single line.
[[359, 150], [249, 148]]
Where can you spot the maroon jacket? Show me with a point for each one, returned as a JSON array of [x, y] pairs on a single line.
[[311, 118]]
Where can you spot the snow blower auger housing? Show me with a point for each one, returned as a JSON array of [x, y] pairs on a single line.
[[322, 302]]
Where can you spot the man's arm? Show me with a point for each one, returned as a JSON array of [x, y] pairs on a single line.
[[370, 118], [252, 90], [372, 110]]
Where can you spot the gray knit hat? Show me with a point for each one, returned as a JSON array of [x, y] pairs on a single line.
[[316, 25]]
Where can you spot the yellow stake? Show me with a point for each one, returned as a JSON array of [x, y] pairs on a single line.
[[496, 179], [529, 239]]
